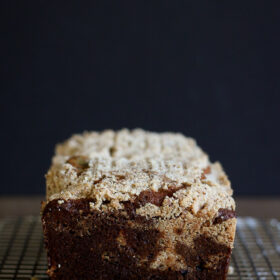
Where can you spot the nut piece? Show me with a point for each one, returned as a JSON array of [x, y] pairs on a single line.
[[79, 162]]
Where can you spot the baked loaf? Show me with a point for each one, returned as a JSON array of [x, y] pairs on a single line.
[[137, 205]]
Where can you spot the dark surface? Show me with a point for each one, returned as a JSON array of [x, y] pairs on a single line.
[[208, 69], [82, 244]]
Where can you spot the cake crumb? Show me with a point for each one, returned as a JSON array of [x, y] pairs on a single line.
[[230, 270]]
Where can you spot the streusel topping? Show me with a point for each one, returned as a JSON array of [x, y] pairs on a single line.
[[114, 167]]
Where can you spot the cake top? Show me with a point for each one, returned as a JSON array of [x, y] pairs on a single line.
[[113, 167]]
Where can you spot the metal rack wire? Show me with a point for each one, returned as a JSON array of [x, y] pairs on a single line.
[[21, 249], [256, 254]]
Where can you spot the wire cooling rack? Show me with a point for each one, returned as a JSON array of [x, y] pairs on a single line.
[[256, 254]]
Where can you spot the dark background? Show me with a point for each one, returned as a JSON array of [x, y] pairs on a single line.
[[209, 69]]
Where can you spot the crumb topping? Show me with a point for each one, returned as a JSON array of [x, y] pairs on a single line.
[[115, 167]]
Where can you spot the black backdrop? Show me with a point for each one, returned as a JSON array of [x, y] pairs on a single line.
[[209, 69]]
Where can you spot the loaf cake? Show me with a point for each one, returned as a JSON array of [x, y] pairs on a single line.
[[136, 205]]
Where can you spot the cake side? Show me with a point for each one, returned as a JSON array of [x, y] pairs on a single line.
[[88, 244]]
